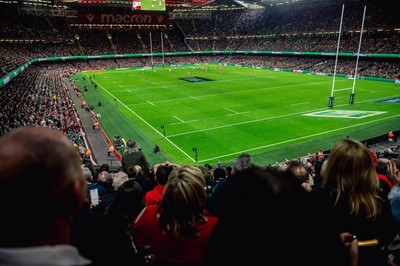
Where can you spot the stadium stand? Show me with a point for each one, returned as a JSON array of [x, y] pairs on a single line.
[[42, 46]]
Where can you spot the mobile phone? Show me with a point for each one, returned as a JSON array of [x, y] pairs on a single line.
[[94, 197]]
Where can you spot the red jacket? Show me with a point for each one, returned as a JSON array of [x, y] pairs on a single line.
[[165, 248]]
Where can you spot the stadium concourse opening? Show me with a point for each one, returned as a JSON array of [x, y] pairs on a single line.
[[196, 79]]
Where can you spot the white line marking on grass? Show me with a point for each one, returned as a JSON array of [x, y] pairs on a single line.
[[374, 91], [128, 90], [147, 123], [120, 86], [193, 97], [179, 119], [231, 111], [230, 92], [114, 82], [150, 102], [344, 89], [265, 119], [299, 103], [118, 91], [236, 92], [296, 139], [183, 122], [238, 113]]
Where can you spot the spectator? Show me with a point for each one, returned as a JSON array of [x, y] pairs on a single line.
[[118, 179], [153, 196], [243, 162], [266, 207], [94, 190], [384, 181], [299, 175], [392, 136], [146, 181], [178, 229], [321, 155], [103, 167], [106, 238], [317, 174], [394, 194], [96, 125], [111, 151], [40, 170], [105, 180], [352, 202], [133, 156], [220, 177]]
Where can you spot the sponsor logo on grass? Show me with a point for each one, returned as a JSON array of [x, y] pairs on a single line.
[[357, 114], [391, 100], [195, 79]]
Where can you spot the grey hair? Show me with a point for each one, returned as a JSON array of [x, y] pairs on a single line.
[[243, 162], [87, 173]]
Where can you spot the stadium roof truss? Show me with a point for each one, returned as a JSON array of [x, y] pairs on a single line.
[[54, 11]]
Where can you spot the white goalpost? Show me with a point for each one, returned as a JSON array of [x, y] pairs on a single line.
[[332, 98], [352, 95]]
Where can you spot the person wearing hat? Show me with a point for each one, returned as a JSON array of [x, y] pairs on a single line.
[[132, 156]]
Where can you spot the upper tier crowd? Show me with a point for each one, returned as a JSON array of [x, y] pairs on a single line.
[[297, 27]]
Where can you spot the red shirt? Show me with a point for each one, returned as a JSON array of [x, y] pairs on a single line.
[[165, 247], [154, 196]]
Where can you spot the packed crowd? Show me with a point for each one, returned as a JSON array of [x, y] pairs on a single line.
[[344, 208], [337, 210], [299, 27], [40, 98]]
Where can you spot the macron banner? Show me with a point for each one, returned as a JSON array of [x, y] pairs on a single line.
[[134, 19]]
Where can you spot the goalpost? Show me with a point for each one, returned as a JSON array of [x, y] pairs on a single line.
[[352, 95], [332, 98]]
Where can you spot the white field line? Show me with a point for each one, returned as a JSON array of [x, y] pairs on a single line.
[[247, 122], [147, 123], [299, 103], [179, 119], [263, 119], [150, 102], [226, 93], [296, 139], [344, 89], [231, 111], [178, 123], [238, 113]]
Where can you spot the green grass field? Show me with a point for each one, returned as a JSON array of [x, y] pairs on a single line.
[[271, 115]]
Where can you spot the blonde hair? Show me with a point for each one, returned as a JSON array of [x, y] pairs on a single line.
[[350, 172], [182, 205]]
